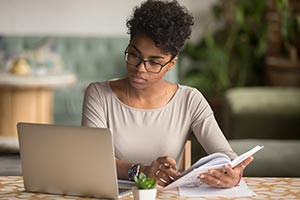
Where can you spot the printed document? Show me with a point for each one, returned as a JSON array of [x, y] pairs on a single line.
[[202, 190]]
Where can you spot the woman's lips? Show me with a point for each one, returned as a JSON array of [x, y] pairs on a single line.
[[138, 79]]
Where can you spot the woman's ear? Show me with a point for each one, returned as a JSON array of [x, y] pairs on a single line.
[[172, 64]]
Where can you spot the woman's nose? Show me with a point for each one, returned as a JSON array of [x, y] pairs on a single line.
[[141, 67]]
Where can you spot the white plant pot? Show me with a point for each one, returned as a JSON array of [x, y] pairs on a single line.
[[146, 194]]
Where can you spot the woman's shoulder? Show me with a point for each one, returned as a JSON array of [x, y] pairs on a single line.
[[189, 92], [106, 88], [96, 88]]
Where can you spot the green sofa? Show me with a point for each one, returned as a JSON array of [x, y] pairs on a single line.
[[268, 116]]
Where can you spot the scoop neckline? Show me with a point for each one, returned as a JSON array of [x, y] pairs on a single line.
[[139, 109]]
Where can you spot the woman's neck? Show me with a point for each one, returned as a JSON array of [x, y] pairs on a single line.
[[154, 96]]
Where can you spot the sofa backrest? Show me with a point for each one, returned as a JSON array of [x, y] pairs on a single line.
[[262, 112]]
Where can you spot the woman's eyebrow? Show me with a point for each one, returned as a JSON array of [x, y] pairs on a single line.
[[156, 57]]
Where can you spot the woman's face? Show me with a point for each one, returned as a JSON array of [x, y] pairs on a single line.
[[140, 73]]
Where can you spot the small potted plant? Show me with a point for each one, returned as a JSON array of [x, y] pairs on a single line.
[[145, 188]]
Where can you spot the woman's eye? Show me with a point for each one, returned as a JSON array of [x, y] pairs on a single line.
[[152, 63]]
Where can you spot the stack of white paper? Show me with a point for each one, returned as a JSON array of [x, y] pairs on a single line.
[[241, 190]]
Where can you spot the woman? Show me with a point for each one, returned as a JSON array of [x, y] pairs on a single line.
[[151, 118]]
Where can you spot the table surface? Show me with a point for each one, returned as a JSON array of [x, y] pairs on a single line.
[[50, 80], [11, 187]]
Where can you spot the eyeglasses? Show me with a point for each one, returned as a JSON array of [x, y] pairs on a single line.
[[150, 65]]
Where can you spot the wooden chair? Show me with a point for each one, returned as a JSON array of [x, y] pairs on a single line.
[[186, 157]]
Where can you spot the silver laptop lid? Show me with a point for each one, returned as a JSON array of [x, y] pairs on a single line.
[[68, 160]]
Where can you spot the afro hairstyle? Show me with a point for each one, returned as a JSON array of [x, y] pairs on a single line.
[[167, 23]]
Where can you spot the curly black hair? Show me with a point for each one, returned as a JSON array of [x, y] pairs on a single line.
[[167, 23]]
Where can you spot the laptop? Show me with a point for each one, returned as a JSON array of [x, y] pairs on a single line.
[[69, 160]]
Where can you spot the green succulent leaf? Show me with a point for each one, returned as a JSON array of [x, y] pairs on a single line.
[[142, 182], [136, 181]]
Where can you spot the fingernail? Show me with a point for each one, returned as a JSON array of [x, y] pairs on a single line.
[[201, 176]]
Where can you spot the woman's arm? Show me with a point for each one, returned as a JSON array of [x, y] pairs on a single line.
[[205, 126], [122, 169], [93, 110], [212, 139]]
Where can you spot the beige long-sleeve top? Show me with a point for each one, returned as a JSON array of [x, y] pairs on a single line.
[[141, 136]]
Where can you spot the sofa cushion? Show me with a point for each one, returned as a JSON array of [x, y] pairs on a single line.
[[262, 112], [278, 158]]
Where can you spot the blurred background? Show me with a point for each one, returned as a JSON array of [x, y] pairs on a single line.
[[243, 56]]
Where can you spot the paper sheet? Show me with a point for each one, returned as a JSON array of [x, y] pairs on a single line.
[[241, 190]]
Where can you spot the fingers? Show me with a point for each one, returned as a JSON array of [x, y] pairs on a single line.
[[244, 164], [248, 161], [165, 170], [211, 180], [168, 166], [226, 178], [166, 176], [162, 178], [218, 179], [218, 174], [168, 161], [230, 172]]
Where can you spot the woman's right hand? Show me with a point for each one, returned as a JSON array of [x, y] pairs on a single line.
[[163, 170]]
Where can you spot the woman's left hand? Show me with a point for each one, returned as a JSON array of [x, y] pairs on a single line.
[[227, 178]]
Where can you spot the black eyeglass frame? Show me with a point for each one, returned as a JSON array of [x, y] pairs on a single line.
[[144, 62]]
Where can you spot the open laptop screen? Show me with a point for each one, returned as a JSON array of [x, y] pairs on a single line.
[[70, 160]]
